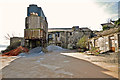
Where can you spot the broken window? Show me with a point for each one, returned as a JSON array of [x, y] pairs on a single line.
[[70, 33]]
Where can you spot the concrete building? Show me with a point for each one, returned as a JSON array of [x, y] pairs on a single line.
[[67, 37], [111, 24], [17, 39], [56, 35], [108, 40], [77, 34], [36, 27]]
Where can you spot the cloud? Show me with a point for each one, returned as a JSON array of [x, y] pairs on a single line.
[[110, 7]]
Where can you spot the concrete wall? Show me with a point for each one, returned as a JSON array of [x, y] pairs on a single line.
[[36, 27], [36, 22], [17, 39], [33, 22], [55, 38], [69, 39], [117, 42], [106, 43]]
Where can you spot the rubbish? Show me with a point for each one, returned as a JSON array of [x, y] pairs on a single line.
[[16, 51]]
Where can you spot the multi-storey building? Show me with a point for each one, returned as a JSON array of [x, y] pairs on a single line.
[[36, 27], [67, 37]]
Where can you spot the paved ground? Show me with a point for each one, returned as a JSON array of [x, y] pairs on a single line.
[[98, 60], [52, 65]]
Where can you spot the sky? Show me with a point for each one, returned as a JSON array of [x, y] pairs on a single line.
[[59, 13]]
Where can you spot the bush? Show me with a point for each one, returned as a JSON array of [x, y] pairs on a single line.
[[117, 22], [95, 51], [119, 29], [105, 27], [82, 43]]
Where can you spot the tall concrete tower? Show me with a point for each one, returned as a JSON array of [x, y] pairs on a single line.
[[36, 27]]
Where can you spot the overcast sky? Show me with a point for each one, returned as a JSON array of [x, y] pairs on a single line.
[[59, 13]]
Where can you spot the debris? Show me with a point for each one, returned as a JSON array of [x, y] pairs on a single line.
[[22, 54], [53, 48], [16, 51], [33, 52]]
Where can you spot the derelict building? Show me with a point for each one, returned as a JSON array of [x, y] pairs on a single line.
[[36, 27]]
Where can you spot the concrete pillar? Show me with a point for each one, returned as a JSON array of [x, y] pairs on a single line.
[[116, 42], [26, 43], [106, 47], [30, 44]]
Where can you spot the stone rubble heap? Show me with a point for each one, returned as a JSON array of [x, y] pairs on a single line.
[[53, 48]]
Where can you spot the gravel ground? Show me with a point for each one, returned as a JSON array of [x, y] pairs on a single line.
[[110, 57]]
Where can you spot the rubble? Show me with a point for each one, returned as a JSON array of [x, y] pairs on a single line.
[[16, 51], [53, 48], [23, 52], [33, 52]]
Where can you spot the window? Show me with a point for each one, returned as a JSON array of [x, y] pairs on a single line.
[[70, 33], [58, 34], [50, 35]]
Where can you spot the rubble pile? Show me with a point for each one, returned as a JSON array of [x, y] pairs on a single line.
[[16, 51], [33, 52], [53, 48], [24, 52]]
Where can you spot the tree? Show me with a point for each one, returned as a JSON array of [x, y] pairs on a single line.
[[105, 27], [82, 43], [117, 23]]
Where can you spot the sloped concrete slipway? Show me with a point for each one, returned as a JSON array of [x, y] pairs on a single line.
[[53, 65]]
